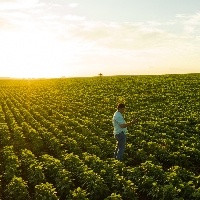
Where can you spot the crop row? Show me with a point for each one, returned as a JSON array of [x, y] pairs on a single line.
[[65, 127], [52, 144]]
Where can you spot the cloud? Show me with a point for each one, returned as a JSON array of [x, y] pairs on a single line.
[[73, 5], [73, 18], [143, 47], [17, 4], [29, 14], [128, 36], [16, 13], [5, 24], [190, 23], [114, 47]]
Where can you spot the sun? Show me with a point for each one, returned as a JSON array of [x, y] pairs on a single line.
[[34, 54]]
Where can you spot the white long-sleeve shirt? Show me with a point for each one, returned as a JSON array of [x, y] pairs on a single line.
[[117, 120]]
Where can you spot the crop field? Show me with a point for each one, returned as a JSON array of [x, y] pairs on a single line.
[[56, 138]]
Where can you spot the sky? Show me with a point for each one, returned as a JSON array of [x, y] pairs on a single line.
[[55, 38]]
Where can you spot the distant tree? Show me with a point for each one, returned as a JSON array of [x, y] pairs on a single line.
[[100, 74]]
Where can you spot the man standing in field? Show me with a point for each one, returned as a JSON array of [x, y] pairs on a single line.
[[120, 129]]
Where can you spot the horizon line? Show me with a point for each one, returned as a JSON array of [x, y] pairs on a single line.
[[65, 77]]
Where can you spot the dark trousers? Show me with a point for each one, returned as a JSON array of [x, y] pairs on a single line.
[[120, 145]]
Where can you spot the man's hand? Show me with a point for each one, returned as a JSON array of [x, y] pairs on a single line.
[[128, 124], [134, 121]]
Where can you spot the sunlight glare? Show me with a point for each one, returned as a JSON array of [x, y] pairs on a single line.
[[34, 54]]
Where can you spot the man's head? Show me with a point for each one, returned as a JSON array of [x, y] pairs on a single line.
[[121, 107]]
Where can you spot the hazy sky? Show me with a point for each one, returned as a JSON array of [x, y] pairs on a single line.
[[53, 38]]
